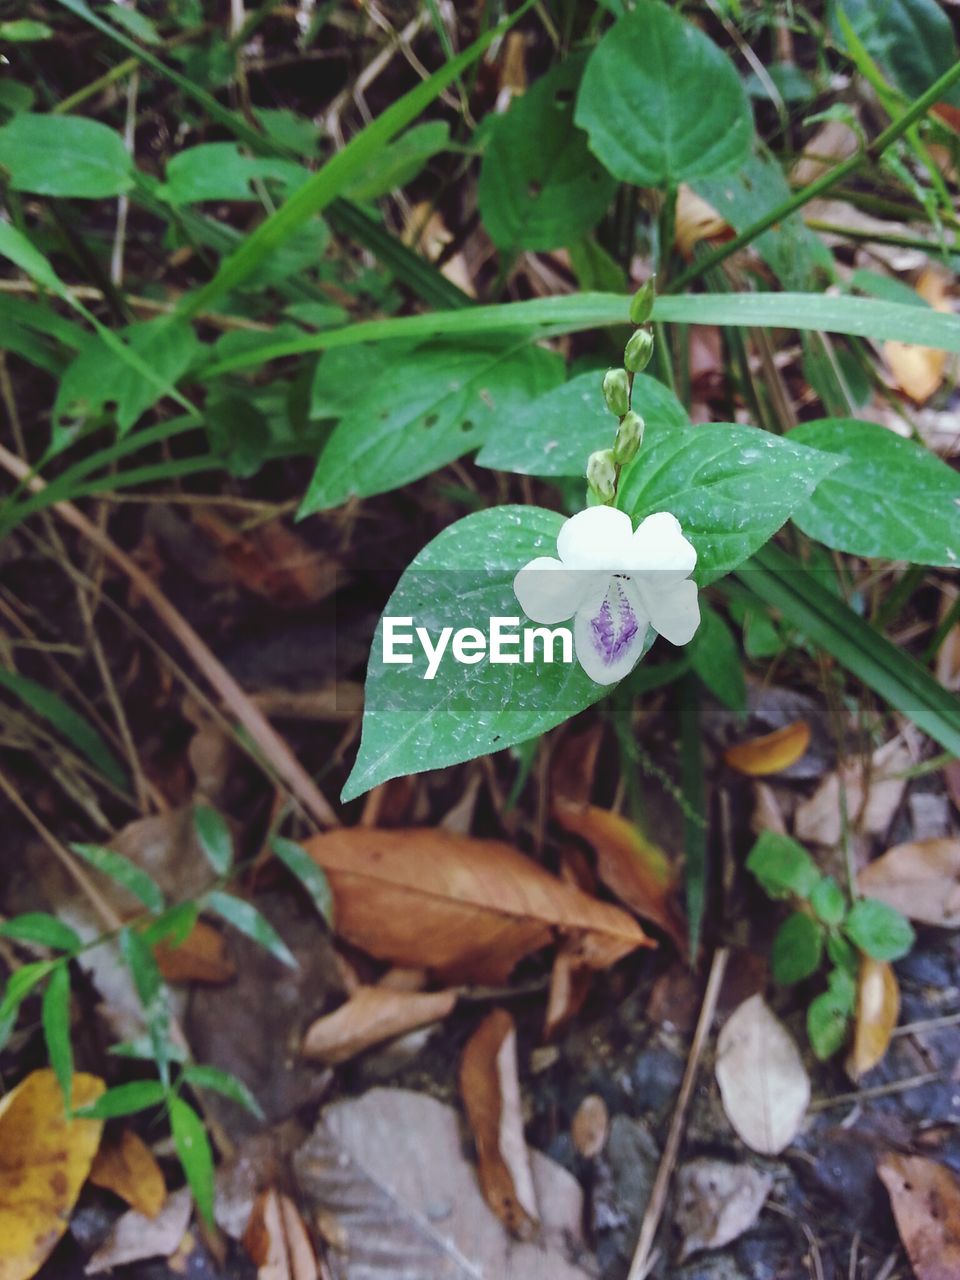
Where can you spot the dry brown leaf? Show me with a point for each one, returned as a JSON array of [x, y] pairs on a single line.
[[697, 220], [919, 370], [490, 1088], [271, 560], [767, 814], [770, 753], [573, 765], [277, 1240], [925, 1197], [630, 865], [126, 1166], [134, 1237], [467, 909], [203, 956], [389, 1171], [921, 879], [570, 982], [45, 1161], [718, 1201], [878, 1008], [835, 140], [873, 790], [370, 1016], [763, 1082], [590, 1126]]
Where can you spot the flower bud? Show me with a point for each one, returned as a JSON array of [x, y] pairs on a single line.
[[629, 439], [639, 350], [602, 474], [616, 391], [641, 304]]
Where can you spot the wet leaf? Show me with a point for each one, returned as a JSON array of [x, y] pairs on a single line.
[[490, 1088], [127, 1167], [878, 1008], [464, 908], [920, 879], [718, 1201], [925, 1197], [771, 753], [46, 1159], [371, 1016], [763, 1083]]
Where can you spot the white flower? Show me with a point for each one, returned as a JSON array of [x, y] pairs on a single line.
[[615, 583]]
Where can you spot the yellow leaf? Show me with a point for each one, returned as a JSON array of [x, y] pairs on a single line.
[[919, 370], [878, 1008], [45, 1162], [770, 753], [127, 1168]]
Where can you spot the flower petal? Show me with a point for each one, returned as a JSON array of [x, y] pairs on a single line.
[[549, 592], [659, 544], [596, 538], [674, 609], [609, 631]]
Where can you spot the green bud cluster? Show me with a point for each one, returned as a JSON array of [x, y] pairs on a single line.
[[629, 438], [616, 391], [641, 304], [602, 474], [638, 351]]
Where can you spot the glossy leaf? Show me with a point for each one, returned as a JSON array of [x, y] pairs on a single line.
[[214, 837], [65, 156], [661, 103], [55, 1016], [193, 1149], [44, 929], [301, 865], [125, 872], [245, 917]]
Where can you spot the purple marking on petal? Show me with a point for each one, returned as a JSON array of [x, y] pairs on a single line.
[[614, 627]]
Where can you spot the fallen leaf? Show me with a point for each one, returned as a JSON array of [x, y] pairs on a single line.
[[925, 1197], [135, 1237], [921, 879], [590, 1126], [271, 561], [277, 1240], [490, 1088], [770, 753], [717, 1201], [919, 370], [631, 866], [696, 220], [833, 141], [763, 1083], [570, 982], [126, 1166], [573, 765], [203, 956], [370, 1016], [45, 1161], [873, 788], [767, 814], [878, 1008], [389, 1171], [467, 909]]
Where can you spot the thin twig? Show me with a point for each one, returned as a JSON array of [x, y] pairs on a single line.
[[658, 1197]]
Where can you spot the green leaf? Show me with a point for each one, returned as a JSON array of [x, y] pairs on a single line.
[[99, 377], [827, 1024], [193, 1149], [828, 902], [138, 24], [245, 917], [44, 929], [141, 1050], [17, 249], [540, 188], [55, 1016], [24, 31], [893, 499], [204, 1077], [173, 926], [125, 1100], [214, 837], [462, 578], [880, 931], [797, 949], [731, 487], [661, 103], [297, 861], [221, 171], [434, 406], [912, 40], [152, 993], [782, 866], [65, 156], [126, 873], [399, 162], [715, 657], [554, 434], [842, 984], [843, 955], [67, 722], [19, 986]]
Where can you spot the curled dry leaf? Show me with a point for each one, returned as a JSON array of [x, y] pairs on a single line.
[[631, 866], [490, 1089], [135, 1237], [467, 909], [590, 1126], [925, 1197], [277, 1240], [771, 753], [45, 1161], [919, 370], [921, 879], [203, 956], [697, 220], [570, 981], [717, 1201], [878, 1008], [370, 1016], [763, 1082], [126, 1166]]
